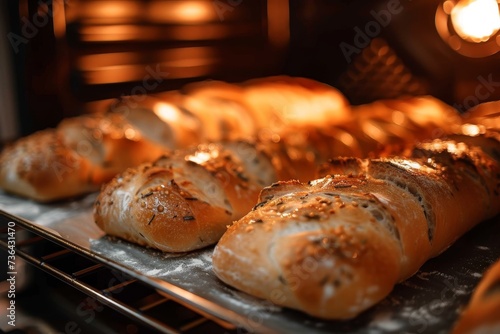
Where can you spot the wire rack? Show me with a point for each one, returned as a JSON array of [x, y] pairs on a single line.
[[142, 303]]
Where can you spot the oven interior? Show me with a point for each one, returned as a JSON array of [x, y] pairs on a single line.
[[62, 58], [71, 56]]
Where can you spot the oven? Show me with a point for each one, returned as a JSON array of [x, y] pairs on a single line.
[[62, 58]]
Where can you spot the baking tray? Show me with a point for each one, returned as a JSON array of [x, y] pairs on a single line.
[[428, 302]]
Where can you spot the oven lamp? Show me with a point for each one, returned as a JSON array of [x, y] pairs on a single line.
[[470, 27], [476, 20]]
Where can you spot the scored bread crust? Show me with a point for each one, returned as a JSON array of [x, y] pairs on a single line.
[[269, 110], [337, 245], [75, 158], [184, 201], [294, 153], [36, 166]]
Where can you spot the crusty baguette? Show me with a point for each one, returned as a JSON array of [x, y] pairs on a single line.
[[337, 245], [226, 178], [486, 114], [184, 201], [482, 314], [140, 128], [76, 157], [83, 152]]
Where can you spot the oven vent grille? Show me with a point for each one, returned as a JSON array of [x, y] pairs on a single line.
[[378, 73]]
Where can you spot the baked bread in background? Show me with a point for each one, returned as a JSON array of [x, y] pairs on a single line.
[[78, 156], [83, 152]]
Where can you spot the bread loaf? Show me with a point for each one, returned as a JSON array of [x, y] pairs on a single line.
[[482, 314], [337, 245], [225, 179], [83, 152], [93, 148], [78, 156], [184, 201]]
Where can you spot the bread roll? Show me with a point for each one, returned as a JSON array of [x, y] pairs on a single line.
[[230, 172], [184, 201], [482, 314], [92, 149], [139, 128], [337, 245], [484, 114], [77, 157]]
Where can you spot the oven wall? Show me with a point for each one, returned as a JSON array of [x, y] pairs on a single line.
[[72, 56], [9, 127], [374, 49]]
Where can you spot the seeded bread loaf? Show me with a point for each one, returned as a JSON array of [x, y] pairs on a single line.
[[78, 156], [337, 245], [218, 183], [83, 152]]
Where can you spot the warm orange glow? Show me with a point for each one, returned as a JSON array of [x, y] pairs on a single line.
[[181, 11], [476, 20], [123, 12], [398, 117], [278, 23], [129, 66], [97, 61], [192, 11], [131, 134], [105, 33], [373, 130], [471, 129], [347, 139], [166, 112], [111, 9], [105, 12]]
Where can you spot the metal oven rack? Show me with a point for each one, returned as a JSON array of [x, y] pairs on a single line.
[[153, 310]]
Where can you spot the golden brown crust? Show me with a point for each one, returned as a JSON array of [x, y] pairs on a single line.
[[44, 168], [313, 247], [270, 109], [338, 245], [75, 158], [485, 115], [183, 201]]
